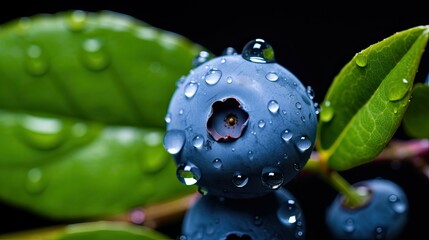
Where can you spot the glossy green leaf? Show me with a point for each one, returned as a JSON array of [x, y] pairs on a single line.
[[67, 168], [365, 104], [83, 98], [416, 118], [104, 66], [102, 230]]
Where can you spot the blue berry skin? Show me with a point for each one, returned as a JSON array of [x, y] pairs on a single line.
[[382, 217], [274, 216], [240, 128]]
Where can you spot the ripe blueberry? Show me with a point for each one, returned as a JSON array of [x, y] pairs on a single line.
[[240, 126], [276, 215], [383, 216]]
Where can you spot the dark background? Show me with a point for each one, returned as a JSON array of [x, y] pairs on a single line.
[[312, 40]]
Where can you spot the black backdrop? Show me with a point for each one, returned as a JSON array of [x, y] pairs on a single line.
[[312, 40]]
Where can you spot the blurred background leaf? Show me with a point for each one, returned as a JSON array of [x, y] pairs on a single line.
[[416, 118], [82, 103]]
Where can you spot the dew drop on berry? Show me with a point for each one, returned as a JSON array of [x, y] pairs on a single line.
[[229, 80], [174, 140], [397, 206], [188, 174], [190, 89], [258, 51], [310, 92], [287, 135], [201, 58], [217, 163], [198, 141], [261, 124], [239, 179], [289, 213], [257, 220], [298, 105], [213, 76], [272, 76], [250, 155], [272, 178], [167, 118], [379, 233], [229, 51], [349, 226], [273, 106], [303, 144]]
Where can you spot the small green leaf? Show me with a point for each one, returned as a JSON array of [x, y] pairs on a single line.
[[102, 230], [416, 118], [365, 104]]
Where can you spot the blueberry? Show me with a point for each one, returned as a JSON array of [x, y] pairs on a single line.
[[383, 216], [276, 215], [240, 125]]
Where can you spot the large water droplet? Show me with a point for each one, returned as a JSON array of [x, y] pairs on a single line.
[[188, 174], [289, 213], [239, 179], [94, 56], [272, 76], [201, 58], [303, 143], [76, 20], [361, 59], [272, 178], [36, 182], [36, 64], [273, 106], [190, 89], [398, 90], [287, 135], [217, 163], [42, 133], [198, 141], [174, 140], [258, 51], [213, 76], [326, 112]]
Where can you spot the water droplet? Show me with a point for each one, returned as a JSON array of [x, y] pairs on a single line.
[[257, 220], [94, 55], [217, 163], [361, 59], [239, 179], [258, 51], [201, 58], [310, 92], [181, 111], [190, 89], [188, 174], [42, 133], [273, 106], [298, 105], [327, 112], [349, 226], [272, 178], [213, 76], [167, 118], [233, 149], [379, 233], [272, 76], [303, 143], [397, 206], [316, 108], [297, 167], [398, 90], [37, 64], [174, 141], [289, 213], [261, 124], [287, 135], [198, 141], [203, 191], [76, 20], [35, 181], [250, 155], [229, 51], [229, 79]]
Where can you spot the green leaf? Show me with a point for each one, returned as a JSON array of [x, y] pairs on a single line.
[[67, 168], [83, 98], [102, 230], [365, 104], [105, 66], [416, 118]]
